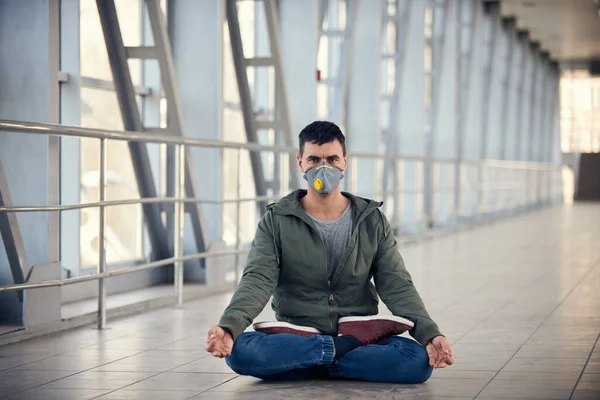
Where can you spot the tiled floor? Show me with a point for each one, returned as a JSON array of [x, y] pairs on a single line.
[[519, 300]]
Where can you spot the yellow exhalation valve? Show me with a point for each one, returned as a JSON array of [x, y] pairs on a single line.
[[318, 184]]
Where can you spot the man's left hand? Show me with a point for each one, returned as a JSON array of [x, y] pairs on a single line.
[[440, 352]]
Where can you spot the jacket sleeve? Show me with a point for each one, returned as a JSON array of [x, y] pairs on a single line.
[[395, 287], [257, 283]]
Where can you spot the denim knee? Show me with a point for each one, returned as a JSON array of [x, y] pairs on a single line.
[[415, 355], [244, 355]]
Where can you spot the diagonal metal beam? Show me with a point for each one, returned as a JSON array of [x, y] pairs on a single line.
[[281, 94], [237, 49], [11, 235], [164, 55], [132, 122]]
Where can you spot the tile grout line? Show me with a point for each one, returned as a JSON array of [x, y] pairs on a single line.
[[584, 366], [581, 280]]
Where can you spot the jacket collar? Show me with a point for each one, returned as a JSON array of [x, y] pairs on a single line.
[[290, 205]]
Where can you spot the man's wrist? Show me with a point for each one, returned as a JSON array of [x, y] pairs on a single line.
[[226, 329]]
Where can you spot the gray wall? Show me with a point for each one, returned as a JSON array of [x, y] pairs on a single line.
[[24, 95]]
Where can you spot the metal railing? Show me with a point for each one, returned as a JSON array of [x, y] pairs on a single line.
[[539, 174]]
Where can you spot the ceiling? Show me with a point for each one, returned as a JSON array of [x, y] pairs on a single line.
[[568, 29]]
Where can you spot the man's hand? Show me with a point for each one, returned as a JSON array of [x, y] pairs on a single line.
[[440, 353], [219, 342]]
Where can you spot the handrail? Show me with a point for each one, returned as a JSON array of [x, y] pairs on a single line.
[[121, 271], [145, 137]]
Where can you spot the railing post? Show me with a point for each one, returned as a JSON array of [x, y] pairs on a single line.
[[237, 218], [101, 245], [179, 221]]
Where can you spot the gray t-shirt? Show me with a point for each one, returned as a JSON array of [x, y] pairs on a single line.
[[335, 235]]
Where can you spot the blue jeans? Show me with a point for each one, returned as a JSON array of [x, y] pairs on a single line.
[[291, 357]]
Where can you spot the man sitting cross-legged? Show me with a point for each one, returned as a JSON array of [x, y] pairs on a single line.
[[316, 251]]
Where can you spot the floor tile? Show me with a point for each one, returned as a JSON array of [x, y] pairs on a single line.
[[98, 380], [64, 363], [543, 376], [208, 364], [128, 394], [589, 385], [545, 365], [532, 384], [57, 394], [450, 387], [182, 381], [590, 377], [143, 364], [518, 393], [450, 373], [586, 395], [593, 367]]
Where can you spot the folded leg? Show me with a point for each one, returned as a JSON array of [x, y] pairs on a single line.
[[392, 360], [282, 356]]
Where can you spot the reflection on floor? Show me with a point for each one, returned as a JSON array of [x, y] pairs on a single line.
[[519, 300]]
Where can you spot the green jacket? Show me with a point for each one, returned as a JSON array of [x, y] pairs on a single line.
[[287, 261]]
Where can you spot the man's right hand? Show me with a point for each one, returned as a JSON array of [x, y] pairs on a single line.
[[219, 342]]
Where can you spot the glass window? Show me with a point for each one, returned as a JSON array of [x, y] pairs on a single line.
[[94, 58], [580, 112], [100, 109]]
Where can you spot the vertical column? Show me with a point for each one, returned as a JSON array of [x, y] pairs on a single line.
[[299, 40], [29, 93], [532, 122], [411, 140], [488, 115], [507, 86], [70, 114], [474, 114], [514, 75], [444, 110], [554, 146], [364, 94], [526, 102], [197, 35], [151, 117]]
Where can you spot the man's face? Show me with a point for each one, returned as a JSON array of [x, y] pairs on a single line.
[[315, 154]]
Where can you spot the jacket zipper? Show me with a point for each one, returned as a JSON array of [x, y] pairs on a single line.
[[331, 297]]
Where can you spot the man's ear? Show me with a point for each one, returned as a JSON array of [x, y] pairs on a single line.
[[299, 159]]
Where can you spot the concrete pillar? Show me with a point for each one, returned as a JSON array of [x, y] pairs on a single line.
[[29, 75], [298, 21], [363, 131], [197, 41], [411, 141]]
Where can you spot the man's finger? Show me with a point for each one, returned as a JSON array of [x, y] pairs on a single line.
[[442, 365]]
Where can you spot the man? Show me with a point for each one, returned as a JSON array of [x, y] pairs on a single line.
[[316, 251]]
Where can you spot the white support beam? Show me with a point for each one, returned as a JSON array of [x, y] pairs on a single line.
[[363, 131], [299, 24]]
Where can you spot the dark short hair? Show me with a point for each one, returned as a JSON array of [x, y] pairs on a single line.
[[321, 132]]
